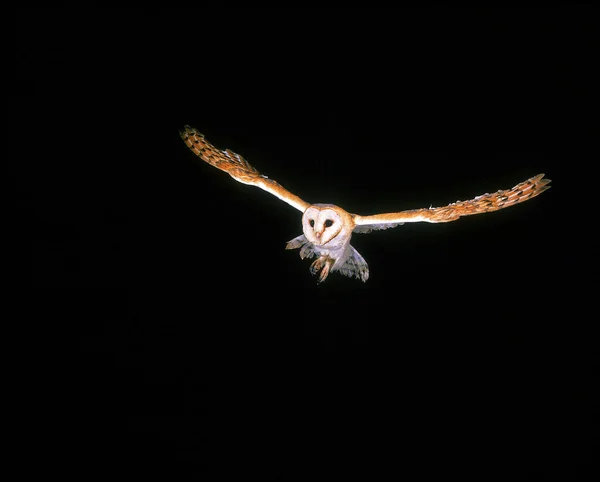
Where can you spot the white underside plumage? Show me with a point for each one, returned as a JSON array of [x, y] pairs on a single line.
[[348, 261]]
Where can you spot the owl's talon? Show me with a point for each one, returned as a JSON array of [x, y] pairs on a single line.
[[316, 266], [321, 265], [324, 273]]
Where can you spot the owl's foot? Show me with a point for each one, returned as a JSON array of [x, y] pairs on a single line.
[[322, 264]]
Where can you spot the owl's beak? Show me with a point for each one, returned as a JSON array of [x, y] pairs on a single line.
[[318, 234]]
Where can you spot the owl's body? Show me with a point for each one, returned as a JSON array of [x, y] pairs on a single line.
[[328, 228], [327, 232]]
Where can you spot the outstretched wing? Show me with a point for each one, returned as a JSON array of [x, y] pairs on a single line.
[[237, 167], [485, 203]]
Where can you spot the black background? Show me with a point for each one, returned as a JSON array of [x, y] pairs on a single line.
[[180, 340]]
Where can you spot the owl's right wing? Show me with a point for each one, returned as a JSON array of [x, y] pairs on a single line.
[[237, 167], [485, 203]]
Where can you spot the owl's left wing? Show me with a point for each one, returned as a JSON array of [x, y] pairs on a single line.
[[237, 167], [481, 204]]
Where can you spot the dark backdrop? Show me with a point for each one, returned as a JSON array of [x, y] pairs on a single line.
[[181, 340]]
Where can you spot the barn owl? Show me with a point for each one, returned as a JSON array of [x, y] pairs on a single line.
[[328, 228]]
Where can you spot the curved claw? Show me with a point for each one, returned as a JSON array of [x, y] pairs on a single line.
[[322, 264]]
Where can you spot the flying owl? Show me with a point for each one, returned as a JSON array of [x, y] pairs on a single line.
[[328, 228]]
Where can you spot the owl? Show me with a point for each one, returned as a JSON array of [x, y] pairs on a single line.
[[327, 228]]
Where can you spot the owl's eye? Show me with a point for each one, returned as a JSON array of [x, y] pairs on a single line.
[[328, 223], [311, 222]]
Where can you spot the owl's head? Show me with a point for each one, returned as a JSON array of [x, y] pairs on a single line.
[[326, 224]]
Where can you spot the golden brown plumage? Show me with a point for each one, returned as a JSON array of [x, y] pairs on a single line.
[[237, 167], [485, 203]]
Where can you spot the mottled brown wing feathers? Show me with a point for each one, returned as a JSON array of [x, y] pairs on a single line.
[[493, 202], [481, 204], [237, 167], [230, 162]]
